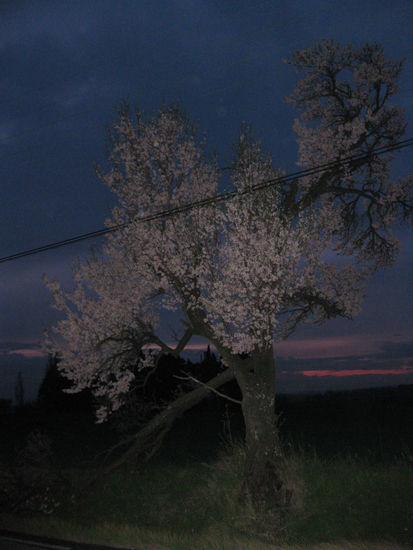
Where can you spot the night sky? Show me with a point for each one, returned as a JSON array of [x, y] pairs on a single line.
[[65, 68]]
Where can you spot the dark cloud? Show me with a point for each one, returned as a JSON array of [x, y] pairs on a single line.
[[397, 350]]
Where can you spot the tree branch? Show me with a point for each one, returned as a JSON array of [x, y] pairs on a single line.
[[149, 438], [189, 377], [166, 349]]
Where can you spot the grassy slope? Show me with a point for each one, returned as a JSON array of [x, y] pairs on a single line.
[[186, 497]]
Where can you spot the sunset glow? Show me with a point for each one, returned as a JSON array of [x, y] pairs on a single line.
[[359, 372], [29, 353], [324, 348]]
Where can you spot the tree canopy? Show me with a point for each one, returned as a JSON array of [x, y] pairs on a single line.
[[246, 271]]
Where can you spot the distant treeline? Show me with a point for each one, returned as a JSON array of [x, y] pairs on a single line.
[[372, 423]]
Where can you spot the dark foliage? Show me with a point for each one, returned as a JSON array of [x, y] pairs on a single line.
[[154, 389], [52, 399], [19, 390], [5, 407], [32, 482], [373, 424]]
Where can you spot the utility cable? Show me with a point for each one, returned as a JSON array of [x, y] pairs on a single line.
[[216, 198]]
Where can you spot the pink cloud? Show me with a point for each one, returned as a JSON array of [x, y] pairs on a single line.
[[29, 353], [324, 348], [356, 372]]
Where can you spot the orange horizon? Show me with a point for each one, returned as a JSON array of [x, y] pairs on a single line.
[[28, 353], [322, 348], [356, 372]]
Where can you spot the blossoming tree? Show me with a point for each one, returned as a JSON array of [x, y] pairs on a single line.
[[242, 272]]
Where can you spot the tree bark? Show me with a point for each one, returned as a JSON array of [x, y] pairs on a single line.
[[264, 475], [264, 480]]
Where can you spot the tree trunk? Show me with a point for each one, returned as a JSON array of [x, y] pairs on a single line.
[[264, 480]]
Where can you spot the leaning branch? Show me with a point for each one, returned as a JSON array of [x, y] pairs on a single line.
[[149, 438], [189, 377]]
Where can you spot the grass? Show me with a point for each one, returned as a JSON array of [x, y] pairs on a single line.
[[186, 496], [347, 504]]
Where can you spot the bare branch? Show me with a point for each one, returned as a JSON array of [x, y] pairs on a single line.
[[177, 349], [160, 425], [189, 377]]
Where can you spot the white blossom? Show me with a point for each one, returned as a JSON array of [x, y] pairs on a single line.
[[244, 271]]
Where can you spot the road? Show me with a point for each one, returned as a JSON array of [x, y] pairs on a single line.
[[10, 540]]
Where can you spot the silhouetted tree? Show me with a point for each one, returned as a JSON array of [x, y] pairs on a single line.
[[5, 406], [19, 390], [51, 397]]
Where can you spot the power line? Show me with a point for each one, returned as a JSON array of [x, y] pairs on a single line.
[[216, 198]]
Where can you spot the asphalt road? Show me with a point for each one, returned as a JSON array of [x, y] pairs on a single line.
[[10, 540]]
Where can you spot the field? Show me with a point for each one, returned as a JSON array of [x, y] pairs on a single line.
[[350, 454]]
